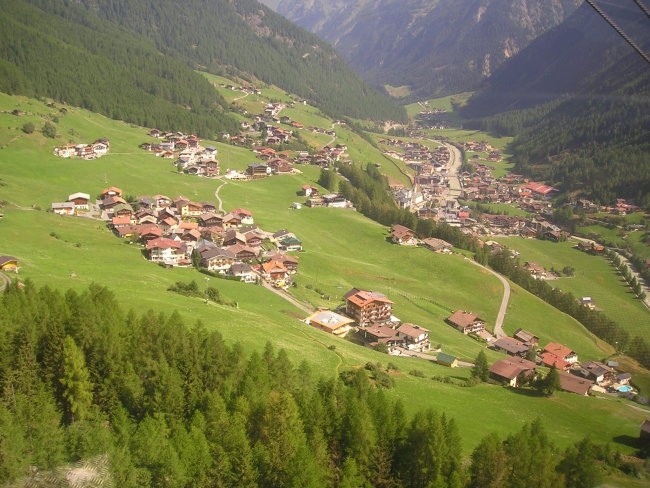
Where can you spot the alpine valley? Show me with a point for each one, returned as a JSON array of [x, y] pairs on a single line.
[[230, 255]]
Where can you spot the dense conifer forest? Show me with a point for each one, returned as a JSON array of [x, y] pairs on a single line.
[[135, 61], [173, 405]]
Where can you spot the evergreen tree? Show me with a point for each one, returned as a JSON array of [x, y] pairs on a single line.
[[488, 467], [551, 383], [580, 466], [77, 389], [481, 370]]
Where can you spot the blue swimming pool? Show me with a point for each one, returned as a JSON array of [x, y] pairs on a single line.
[[624, 388]]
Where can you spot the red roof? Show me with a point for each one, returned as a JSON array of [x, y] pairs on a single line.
[[163, 243], [558, 349], [362, 297], [539, 188], [550, 359]]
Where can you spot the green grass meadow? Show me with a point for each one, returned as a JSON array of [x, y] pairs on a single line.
[[342, 249]]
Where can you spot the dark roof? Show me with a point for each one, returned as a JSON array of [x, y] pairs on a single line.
[[574, 384], [7, 259], [510, 345], [445, 358], [510, 368]]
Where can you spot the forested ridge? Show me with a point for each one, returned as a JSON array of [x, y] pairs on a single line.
[[580, 121], [243, 37], [82, 61], [172, 405]]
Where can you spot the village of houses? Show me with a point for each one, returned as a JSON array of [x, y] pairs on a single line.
[[174, 231]]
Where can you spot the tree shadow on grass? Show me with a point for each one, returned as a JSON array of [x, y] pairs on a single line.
[[529, 392]]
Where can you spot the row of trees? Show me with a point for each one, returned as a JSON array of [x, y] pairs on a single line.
[[627, 275], [172, 405]]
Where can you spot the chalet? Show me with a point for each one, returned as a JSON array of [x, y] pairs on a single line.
[[597, 372], [8, 263], [111, 191], [108, 203], [245, 215], [561, 352], [537, 271], [123, 221], [290, 262], [526, 337], [290, 243], [243, 252], [81, 200], [154, 133], [210, 220], [513, 371], [258, 170], [330, 322], [403, 236], [244, 272], [122, 210], [551, 360], [436, 245], [375, 334], [218, 259], [367, 307], [275, 273], [100, 148], [232, 237], [574, 384], [231, 220], [414, 336], [63, 208], [465, 322], [447, 360], [511, 346], [308, 191], [149, 232], [65, 151], [166, 251], [334, 200], [253, 238]]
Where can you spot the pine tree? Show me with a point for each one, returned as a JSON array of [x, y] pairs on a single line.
[[551, 383], [481, 370], [77, 389], [488, 467]]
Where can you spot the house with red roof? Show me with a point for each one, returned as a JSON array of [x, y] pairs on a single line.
[[367, 307], [465, 322]]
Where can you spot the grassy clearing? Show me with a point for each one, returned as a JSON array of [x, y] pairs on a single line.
[[343, 249], [594, 277]]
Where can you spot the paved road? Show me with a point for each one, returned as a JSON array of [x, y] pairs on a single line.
[[455, 162], [429, 357], [498, 325], [286, 296]]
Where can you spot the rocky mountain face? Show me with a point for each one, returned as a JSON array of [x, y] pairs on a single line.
[[430, 47]]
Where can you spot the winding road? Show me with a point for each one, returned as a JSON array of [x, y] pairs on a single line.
[[498, 325]]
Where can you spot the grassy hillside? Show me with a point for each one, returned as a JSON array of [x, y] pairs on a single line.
[[342, 249]]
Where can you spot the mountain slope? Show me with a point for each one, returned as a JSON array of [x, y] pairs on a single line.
[[581, 100], [244, 37], [83, 61], [98, 58], [435, 47]]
